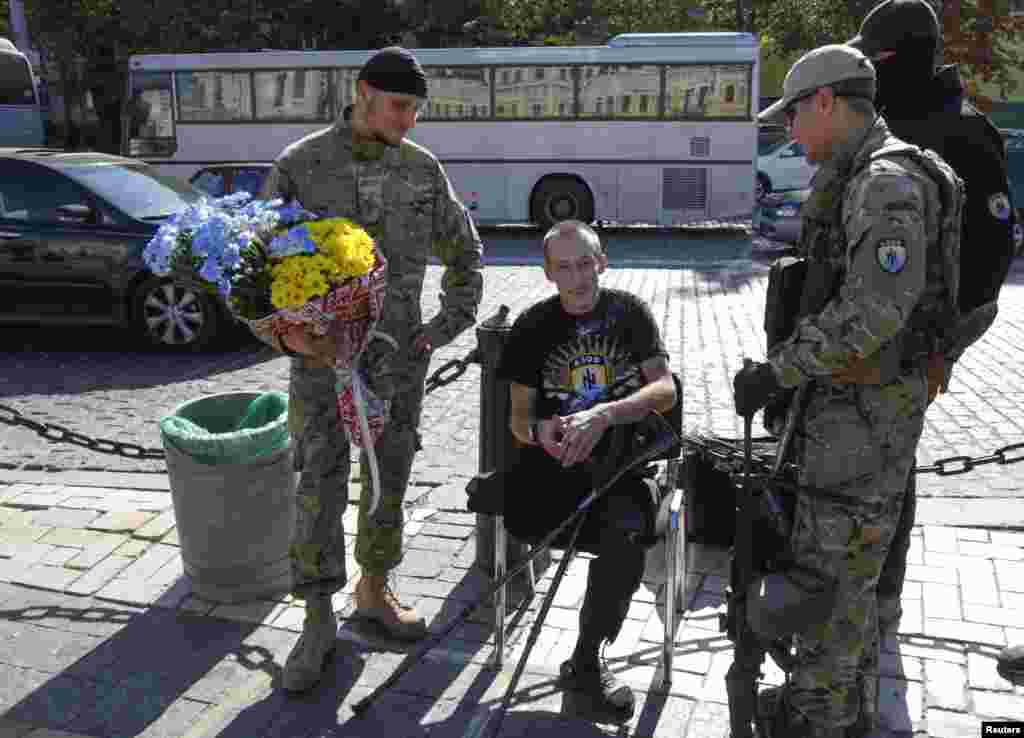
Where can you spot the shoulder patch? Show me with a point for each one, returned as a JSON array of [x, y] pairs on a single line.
[[999, 206], [891, 254]]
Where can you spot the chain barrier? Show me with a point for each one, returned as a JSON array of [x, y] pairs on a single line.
[[445, 375], [730, 452], [451, 371]]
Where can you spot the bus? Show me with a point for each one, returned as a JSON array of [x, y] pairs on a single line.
[[21, 115], [650, 128]]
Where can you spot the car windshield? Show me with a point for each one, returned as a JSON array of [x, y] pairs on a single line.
[[135, 189]]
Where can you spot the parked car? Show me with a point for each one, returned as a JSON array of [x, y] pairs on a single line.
[[73, 227], [777, 215], [218, 180], [784, 167], [770, 135], [1014, 138]]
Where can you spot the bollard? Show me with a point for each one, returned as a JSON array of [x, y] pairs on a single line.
[[495, 450]]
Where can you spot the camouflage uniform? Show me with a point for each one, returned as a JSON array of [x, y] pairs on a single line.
[[403, 198], [858, 441]]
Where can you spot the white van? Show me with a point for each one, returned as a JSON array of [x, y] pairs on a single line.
[[784, 167]]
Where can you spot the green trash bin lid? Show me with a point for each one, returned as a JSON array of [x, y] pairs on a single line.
[[229, 428]]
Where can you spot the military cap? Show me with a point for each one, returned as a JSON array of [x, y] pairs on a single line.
[[826, 65], [395, 69], [895, 22]]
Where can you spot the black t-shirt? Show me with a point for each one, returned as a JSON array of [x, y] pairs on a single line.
[[576, 362]]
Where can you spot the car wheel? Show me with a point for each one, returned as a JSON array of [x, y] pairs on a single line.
[[762, 186], [176, 316], [561, 198]]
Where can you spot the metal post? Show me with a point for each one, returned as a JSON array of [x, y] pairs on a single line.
[[496, 445]]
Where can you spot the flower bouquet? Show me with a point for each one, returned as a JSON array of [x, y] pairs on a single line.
[[278, 265]]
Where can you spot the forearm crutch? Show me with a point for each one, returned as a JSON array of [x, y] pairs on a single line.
[[661, 445], [549, 597]]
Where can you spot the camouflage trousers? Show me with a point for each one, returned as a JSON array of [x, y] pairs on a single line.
[[858, 443], [322, 456]]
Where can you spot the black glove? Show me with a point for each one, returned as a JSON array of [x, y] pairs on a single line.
[[754, 387]]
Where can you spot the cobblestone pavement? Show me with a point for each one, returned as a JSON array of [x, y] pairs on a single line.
[[101, 636], [710, 312]]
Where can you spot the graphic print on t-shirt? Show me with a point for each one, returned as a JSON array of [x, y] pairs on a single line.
[[588, 369]]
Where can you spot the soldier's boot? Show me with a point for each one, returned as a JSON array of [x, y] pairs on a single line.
[[311, 653], [1010, 665], [377, 601]]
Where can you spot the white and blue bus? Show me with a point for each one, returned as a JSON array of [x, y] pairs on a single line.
[[21, 115], [652, 128]]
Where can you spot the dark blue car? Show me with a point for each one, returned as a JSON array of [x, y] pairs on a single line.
[[72, 230]]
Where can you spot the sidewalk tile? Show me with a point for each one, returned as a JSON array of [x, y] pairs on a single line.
[[94, 553], [946, 724], [133, 547], [993, 615], [945, 685], [942, 601], [921, 648], [1009, 574], [13, 518], [56, 517], [22, 533], [121, 522], [912, 620], [1000, 705], [257, 611], [992, 551], [935, 574], [978, 584], [40, 576], [59, 556], [37, 500], [98, 576], [158, 527], [982, 674], [972, 534], [1008, 538], [962, 631], [132, 591], [25, 552], [78, 537]]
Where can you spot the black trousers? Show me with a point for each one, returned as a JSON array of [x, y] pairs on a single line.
[[618, 526]]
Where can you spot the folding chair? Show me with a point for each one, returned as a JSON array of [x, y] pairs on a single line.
[[669, 527]]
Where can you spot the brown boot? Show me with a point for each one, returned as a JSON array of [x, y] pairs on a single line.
[[305, 665], [375, 600]]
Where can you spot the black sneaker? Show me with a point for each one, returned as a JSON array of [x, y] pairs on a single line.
[[1010, 665], [600, 684]]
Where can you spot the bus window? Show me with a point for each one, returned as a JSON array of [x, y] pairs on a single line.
[[533, 91], [214, 96], [344, 84], [457, 92], [150, 115], [697, 91], [609, 91], [292, 94], [16, 81]]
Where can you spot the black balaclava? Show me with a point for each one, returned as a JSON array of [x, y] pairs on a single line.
[[905, 80]]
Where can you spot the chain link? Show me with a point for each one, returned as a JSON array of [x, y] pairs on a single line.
[[60, 434], [451, 371]]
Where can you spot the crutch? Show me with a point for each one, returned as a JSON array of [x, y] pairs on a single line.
[[662, 443], [549, 597]]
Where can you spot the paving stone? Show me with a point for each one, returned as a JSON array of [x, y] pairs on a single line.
[[972, 534], [993, 551], [946, 685], [78, 537], [121, 522], [942, 601], [46, 649], [40, 576], [921, 648], [11, 517], [993, 615], [94, 553], [1002, 705], [22, 533], [982, 674], [56, 517], [978, 585], [1007, 538], [157, 528], [26, 553], [97, 577], [935, 574], [963, 631], [37, 500], [151, 560], [1009, 574], [946, 724]]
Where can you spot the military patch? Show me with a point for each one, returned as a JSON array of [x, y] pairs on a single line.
[[999, 206], [892, 255]]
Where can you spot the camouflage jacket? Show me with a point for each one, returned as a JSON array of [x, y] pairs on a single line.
[[876, 222], [403, 198]]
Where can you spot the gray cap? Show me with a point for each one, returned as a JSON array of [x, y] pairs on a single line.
[[826, 65]]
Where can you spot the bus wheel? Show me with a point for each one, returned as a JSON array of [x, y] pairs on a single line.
[[561, 198], [175, 316]]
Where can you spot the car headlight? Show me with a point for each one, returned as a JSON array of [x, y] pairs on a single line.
[[788, 211]]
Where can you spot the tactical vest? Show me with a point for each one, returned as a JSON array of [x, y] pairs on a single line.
[[933, 324]]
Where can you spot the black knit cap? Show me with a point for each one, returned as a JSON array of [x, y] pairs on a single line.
[[894, 23], [395, 69]]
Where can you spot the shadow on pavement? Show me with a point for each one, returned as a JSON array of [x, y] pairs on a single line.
[[120, 671]]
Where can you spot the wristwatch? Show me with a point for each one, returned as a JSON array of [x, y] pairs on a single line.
[[534, 434]]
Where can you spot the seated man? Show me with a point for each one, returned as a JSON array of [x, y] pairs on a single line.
[[579, 363]]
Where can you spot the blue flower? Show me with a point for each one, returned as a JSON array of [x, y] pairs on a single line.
[[293, 241], [293, 212]]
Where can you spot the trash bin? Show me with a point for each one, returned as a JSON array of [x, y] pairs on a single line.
[[229, 459]]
